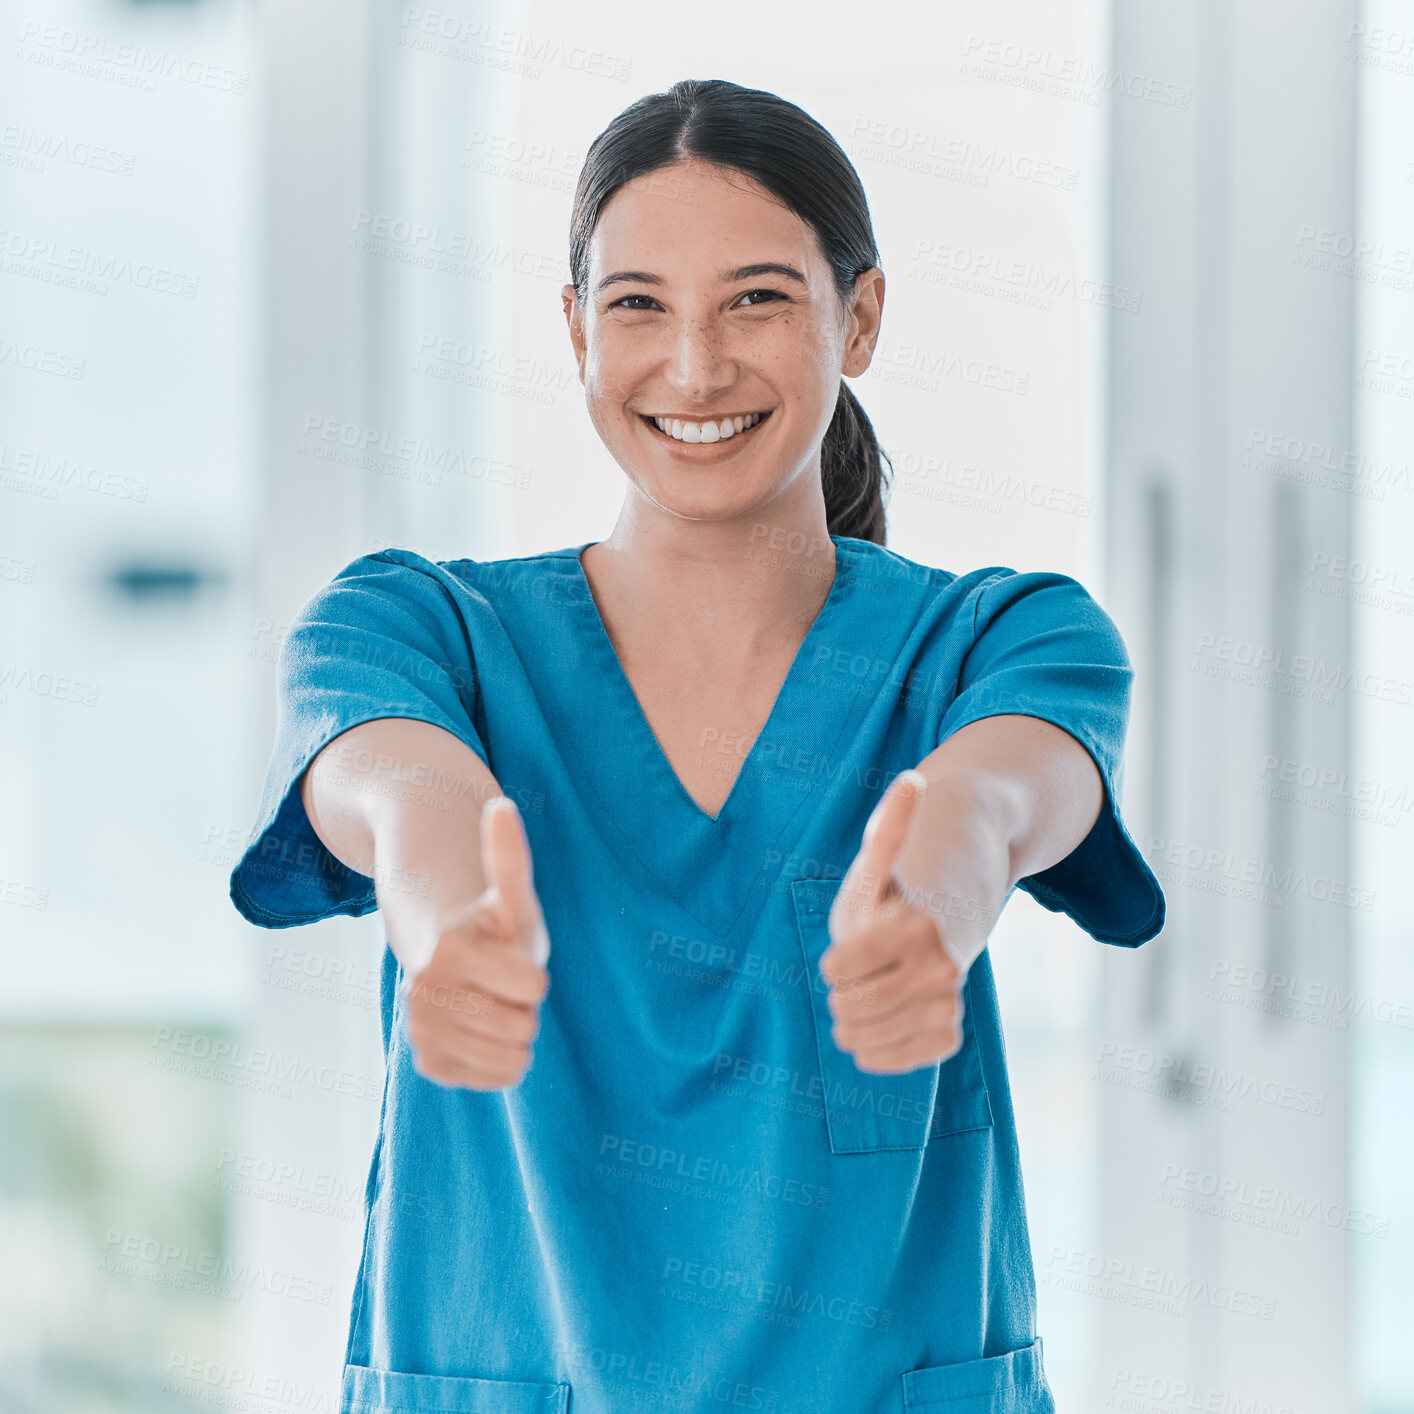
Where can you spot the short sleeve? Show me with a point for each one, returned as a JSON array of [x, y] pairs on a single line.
[[384, 638], [1042, 647]]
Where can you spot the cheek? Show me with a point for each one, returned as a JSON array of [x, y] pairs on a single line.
[[802, 355], [609, 371]]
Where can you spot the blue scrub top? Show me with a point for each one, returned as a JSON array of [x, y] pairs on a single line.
[[694, 1201]]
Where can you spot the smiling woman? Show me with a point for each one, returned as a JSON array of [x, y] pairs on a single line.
[[762, 1091]]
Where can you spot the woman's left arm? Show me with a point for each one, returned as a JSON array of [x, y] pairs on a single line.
[[1001, 799]]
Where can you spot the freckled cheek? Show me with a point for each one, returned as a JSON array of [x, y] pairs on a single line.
[[804, 353]]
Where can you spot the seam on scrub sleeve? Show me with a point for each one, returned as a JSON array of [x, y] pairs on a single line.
[[286, 876], [1105, 885]]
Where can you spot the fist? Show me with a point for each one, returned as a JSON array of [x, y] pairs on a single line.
[[474, 1010], [895, 989]]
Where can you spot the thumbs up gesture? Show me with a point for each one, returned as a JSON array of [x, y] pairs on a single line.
[[473, 1010], [895, 988]]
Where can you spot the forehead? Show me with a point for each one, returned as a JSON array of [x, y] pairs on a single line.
[[700, 220]]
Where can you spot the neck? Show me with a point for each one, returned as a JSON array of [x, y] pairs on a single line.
[[741, 584]]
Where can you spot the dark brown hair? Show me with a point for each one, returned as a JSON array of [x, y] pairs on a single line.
[[787, 152]]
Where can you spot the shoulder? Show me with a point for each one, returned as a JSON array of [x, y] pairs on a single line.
[[995, 601], [984, 591], [399, 569]]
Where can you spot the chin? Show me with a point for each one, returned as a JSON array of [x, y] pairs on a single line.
[[724, 499]]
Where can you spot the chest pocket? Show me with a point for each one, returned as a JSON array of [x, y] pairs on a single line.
[[866, 1113]]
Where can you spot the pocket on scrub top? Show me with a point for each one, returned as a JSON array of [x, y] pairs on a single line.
[[865, 1113], [1014, 1383], [369, 1391]]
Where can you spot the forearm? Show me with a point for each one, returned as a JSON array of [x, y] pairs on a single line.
[[1007, 797], [400, 800]]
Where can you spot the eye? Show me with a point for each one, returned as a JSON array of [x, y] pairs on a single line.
[[625, 301], [771, 294]]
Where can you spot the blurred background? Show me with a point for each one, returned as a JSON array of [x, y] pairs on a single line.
[[279, 284]]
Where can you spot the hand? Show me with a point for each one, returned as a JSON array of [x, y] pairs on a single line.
[[473, 1010], [896, 990]]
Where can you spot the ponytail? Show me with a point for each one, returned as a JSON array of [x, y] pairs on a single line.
[[852, 472]]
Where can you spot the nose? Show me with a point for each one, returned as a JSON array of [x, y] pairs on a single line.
[[700, 365]]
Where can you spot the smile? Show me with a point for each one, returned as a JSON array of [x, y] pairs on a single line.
[[717, 430]]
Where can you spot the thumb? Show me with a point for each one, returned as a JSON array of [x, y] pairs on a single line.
[[863, 886], [886, 831], [505, 866]]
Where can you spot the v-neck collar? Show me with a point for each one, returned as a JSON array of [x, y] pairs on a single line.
[[712, 865], [817, 625]]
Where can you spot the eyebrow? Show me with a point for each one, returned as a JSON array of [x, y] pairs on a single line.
[[742, 272]]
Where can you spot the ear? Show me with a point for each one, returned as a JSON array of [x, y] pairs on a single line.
[[574, 317], [865, 315]]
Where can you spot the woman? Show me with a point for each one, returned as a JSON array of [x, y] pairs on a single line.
[[755, 1147]]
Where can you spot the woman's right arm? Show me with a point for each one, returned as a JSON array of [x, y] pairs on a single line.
[[415, 809]]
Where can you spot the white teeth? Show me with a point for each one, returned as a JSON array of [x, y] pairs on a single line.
[[707, 431]]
